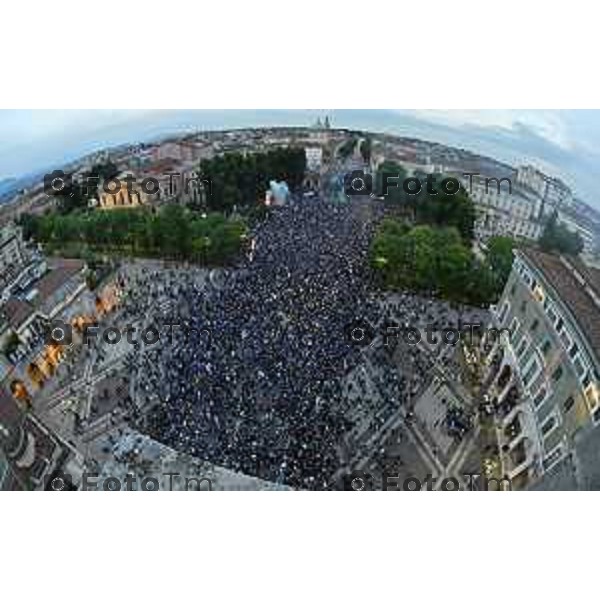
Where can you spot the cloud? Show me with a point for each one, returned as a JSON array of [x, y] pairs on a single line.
[[546, 124]]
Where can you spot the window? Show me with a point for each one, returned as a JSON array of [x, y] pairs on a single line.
[[514, 327], [523, 306], [568, 404], [574, 350], [565, 339], [591, 396], [503, 312], [532, 372], [522, 347], [579, 366], [540, 397], [513, 289], [546, 347], [557, 373], [559, 324], [534, 325], [553, 456], [549, 425]]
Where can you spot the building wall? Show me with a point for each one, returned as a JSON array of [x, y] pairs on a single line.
[[553, 192], [12, 248], [533, 179], [553, 366], [314, 158], [123, 198], [503, 213]]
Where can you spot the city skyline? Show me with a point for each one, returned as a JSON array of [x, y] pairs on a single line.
[[561, 142]]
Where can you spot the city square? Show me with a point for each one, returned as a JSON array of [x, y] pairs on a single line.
[[311, 334]]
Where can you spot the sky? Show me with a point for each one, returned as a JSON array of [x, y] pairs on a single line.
[[565, 143]]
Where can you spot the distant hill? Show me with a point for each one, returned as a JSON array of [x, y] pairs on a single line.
[[11, 185], [8, 187]]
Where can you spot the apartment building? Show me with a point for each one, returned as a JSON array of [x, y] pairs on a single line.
[[59, 293], [544, 377], [503, 211], [13, 254], [553, 192]]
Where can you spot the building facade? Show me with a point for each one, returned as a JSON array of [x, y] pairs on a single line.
[[505, 212], [543, 379], [13, 253], [553, 191], [314, 157], [124, 196]]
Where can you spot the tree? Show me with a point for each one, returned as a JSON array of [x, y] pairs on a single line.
[[447, 210], [500, 257], [365, 149], [241, 180], [430, 259], [557, 238], [347, 148], [172, 232], [395, 175]]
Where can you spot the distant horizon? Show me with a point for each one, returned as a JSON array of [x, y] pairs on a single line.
[[560, 143]]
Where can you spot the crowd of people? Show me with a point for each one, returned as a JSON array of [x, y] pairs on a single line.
[[263, 393]]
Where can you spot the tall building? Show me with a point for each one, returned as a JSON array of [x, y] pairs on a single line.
[[501, 211], [553, 192], [544, 380], [13, 253]]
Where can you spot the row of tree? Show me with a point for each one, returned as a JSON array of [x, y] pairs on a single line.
[[172, 232], [437, 261], [239, 180]]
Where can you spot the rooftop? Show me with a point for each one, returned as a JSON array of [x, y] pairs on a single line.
[[577, 285], [17, 312], [61, 270]]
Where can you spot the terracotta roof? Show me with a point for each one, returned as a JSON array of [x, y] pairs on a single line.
[[591, 275], [163, 166], [558, 272]]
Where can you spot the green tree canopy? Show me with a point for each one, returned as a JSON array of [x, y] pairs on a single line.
[[431, 259], [172, 232], [557, 238], [500, 258], [239, 180]]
